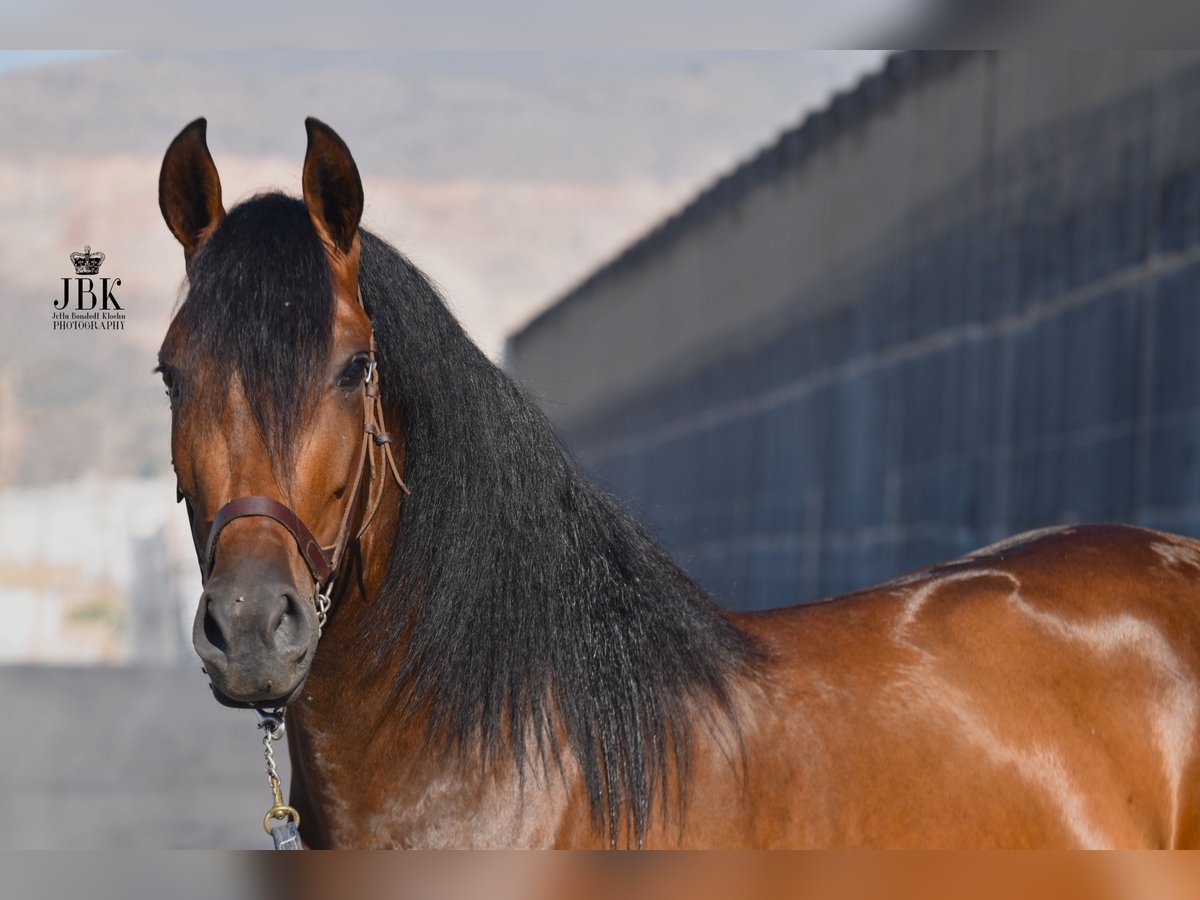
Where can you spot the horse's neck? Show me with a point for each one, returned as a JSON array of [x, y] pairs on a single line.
[[361, 786], [364, 773], [339, 728]]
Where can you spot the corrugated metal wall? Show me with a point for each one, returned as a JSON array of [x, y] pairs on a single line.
[[1020, 347]]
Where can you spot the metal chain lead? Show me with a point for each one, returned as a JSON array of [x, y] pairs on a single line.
[[273, 729]]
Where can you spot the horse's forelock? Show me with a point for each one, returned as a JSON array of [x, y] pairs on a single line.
[[260, 309]]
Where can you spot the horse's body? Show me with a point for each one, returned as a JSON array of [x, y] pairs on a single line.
[[511, 661], [1043, 693]]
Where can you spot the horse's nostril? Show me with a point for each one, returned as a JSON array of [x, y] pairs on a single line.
[[213, 633], [278, 623], [286, 626]]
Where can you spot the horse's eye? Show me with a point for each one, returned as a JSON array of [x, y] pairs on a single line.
[[355, 373], [168, 378]]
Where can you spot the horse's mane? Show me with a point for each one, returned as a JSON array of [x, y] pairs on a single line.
[[521, 596]]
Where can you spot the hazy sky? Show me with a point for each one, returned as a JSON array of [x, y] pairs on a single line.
[[11, 60], [461, 24]]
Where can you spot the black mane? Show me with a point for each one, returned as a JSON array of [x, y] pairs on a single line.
[[519, 593]]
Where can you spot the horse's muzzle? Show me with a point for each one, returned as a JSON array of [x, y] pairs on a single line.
[[255, 637]]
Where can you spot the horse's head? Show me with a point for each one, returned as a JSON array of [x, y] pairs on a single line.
[[269, 364]]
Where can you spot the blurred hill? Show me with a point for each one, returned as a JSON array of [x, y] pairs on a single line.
[[436, 116], [505, 176]]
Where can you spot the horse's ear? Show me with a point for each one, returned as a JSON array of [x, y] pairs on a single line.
[[189, 189], [332, 189]]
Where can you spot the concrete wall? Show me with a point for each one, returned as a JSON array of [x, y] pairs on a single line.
[[959, 303], [128, 758]]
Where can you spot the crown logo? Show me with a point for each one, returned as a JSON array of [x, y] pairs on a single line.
[[87, 262]]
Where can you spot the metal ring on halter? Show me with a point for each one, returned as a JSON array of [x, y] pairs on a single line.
[[271, 722]]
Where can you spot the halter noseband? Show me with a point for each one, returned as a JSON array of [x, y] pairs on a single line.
[[322, 560]]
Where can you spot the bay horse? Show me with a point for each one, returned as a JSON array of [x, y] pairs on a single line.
[[506, 658]]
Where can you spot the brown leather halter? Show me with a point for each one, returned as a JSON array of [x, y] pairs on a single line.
[[322, 560]]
